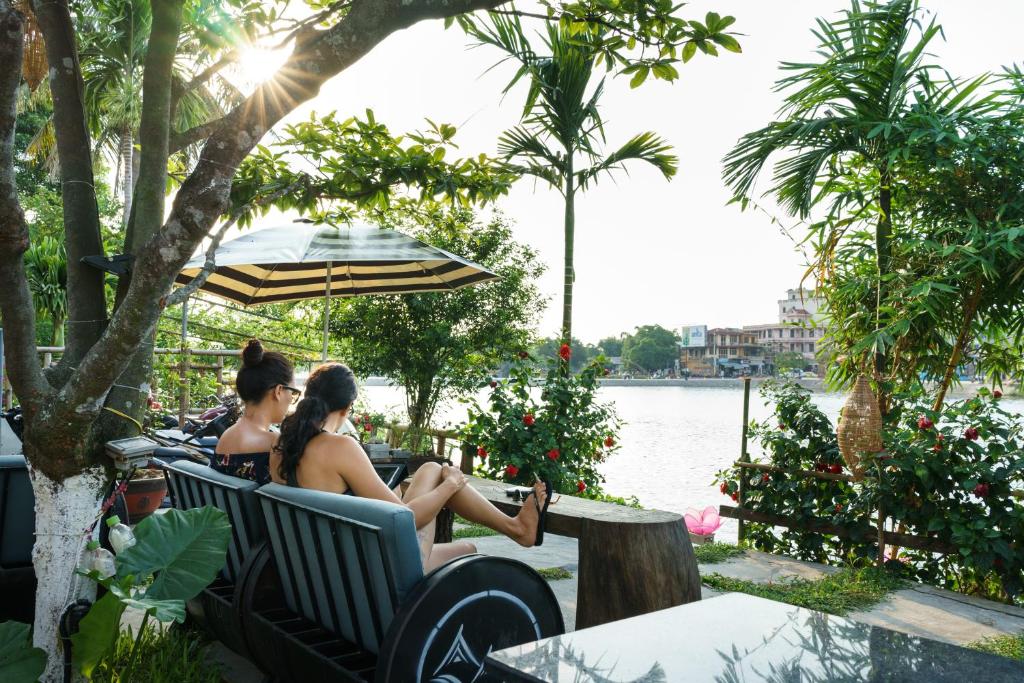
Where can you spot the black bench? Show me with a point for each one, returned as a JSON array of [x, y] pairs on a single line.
[[337, 590], [17, 534], [194, 485]]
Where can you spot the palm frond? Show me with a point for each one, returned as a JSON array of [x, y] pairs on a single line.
[[647, 147]]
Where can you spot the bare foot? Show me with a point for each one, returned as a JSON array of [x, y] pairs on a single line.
[[529, 517]]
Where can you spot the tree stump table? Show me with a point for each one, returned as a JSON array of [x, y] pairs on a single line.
[[631, 561]]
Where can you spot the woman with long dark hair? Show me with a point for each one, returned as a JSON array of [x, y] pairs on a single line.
[[264, 385], [310, 455]]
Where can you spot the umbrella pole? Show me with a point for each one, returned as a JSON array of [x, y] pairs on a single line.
[[327, 313]]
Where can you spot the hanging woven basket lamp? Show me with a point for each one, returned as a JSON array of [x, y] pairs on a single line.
[[860, 426]]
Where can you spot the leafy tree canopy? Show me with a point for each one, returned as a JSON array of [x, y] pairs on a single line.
[[651, 347], [436, 345]]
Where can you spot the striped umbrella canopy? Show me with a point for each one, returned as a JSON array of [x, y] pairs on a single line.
[[302, 261]]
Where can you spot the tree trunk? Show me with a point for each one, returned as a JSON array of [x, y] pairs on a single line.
[[570, 236], [970, 309], [883, 250], [64, 509], [87, 307], [128, 173], [57, 339]]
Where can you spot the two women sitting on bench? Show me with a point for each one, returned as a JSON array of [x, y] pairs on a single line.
[[309, 454]]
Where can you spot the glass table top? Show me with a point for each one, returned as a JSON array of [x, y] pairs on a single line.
[[737, 638]]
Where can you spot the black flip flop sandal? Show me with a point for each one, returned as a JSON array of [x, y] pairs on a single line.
[[542, 512]]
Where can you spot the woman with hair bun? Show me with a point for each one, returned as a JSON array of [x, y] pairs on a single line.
[[310, 455], [264, 385]]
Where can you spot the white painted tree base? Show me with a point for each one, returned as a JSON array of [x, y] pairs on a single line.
[[63, 511]]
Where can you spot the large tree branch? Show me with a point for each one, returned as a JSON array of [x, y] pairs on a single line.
[[87, 310], [155, 122], [18, 314], [205, 194]]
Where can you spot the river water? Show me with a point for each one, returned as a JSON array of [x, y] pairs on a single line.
[[673, 439]]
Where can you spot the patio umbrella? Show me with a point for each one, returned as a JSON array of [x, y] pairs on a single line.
[[303, 261]]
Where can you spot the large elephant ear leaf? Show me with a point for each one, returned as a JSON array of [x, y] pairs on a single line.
[[19, 661], [184, 549]]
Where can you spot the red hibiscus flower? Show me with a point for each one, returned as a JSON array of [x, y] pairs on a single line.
[[528, 419], [481, 451], [580, 486], [511, 470], [735, 496], [835, 468], [609, 442], [553, 454], [765, 478], [981, 490], [724, 488], [924, 423], [564, 352], [971, 433], [494, 384], [997, 394], [524, 355]]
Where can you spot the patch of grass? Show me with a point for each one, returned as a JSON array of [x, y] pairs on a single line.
[[1004, 646], [554, 573], [471, 530], [175, 655], [711, 553], [846, 591]]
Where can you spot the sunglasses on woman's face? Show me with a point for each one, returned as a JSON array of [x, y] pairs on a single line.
[[296, 393]]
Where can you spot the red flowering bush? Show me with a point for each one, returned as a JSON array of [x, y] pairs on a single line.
[[557, 431], [949, 475]]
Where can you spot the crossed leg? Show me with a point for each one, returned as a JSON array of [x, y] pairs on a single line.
[[469, 504]]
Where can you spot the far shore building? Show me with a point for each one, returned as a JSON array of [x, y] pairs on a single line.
[[731, 351], [726, 352], [799, 329]]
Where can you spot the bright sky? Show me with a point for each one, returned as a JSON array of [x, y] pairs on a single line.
[[650, 251]]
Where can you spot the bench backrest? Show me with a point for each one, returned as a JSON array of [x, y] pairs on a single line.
[[17, 513], [346, 563], [194, 485]]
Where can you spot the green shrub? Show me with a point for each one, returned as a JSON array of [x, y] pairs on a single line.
[[562, 437], [174, 655]]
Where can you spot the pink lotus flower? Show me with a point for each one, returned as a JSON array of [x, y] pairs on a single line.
[[702, 523]]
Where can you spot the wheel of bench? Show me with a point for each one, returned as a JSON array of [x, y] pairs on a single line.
[[462, 611], [259, 590]]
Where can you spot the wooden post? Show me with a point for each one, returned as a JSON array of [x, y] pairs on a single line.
[[220, 376], [183, 394], [466, 464], [744, 457], [881, 535]]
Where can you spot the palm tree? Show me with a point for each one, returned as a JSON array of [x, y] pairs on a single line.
[[112, 55], [846, 122], [561, 129], [47, 269]]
